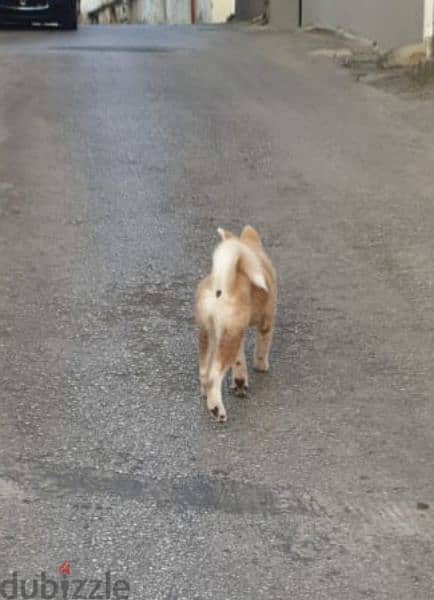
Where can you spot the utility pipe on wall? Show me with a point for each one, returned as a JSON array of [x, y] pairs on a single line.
[[428, 27]]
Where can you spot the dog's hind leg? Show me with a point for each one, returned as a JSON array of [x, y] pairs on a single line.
[[264, 335], [226, 351], [240, 378]]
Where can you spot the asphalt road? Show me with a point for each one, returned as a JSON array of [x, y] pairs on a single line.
[[121, 151]]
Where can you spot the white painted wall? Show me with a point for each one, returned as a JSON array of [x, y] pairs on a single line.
[[221, 10], [428, 27], [88, 5]]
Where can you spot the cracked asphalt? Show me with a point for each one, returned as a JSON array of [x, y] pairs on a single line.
[[121, 151]]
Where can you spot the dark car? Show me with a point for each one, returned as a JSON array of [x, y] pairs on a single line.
[[63, 12]]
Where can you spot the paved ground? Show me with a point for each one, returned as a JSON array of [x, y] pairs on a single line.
[[122, 149]]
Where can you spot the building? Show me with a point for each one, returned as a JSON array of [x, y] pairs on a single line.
[[391, 23], [156, 12]]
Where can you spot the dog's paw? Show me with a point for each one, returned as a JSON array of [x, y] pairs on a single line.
[[239, 387], [219, 414]]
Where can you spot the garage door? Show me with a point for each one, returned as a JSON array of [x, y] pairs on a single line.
[[390, 22]]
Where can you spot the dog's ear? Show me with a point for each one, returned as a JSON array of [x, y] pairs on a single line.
[[224, 233], [249, 234]]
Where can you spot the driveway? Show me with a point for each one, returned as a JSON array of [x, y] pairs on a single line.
[[122, 149]]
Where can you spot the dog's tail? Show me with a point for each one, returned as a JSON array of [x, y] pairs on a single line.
[[231, 256]]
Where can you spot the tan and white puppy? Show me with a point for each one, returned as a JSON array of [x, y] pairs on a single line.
[[240, 291]]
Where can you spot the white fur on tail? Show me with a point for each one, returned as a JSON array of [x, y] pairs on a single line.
[[224, 264]]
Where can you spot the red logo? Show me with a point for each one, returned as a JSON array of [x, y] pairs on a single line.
[[64, 568]]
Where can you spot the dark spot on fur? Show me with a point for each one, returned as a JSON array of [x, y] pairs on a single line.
[[238, 363], [218, 293], [265, 330], [260, 358], [215, 411], [239, 382]]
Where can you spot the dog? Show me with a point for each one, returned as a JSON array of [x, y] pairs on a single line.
[[240, 291]]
